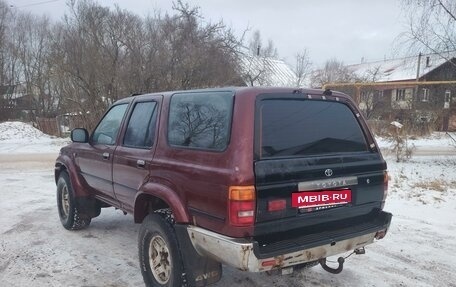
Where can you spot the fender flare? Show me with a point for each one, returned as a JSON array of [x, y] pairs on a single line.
[[64, 162], [164, 193]]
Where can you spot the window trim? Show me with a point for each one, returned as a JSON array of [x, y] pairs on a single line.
[[400, 98], [447, 96], [230, 124], [426, 95], [91, 142], [127, 121]]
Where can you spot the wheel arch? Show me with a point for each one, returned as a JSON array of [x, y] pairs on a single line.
[[154, 196], [65, 164]]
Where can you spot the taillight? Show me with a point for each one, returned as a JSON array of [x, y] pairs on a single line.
[[276, 205], [380, 234], [241, 201]]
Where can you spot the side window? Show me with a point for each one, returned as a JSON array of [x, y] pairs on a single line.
[[107, 129], [141, 126], [200, 120]]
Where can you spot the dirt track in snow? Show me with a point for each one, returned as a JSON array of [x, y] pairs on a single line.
[[36, 251]]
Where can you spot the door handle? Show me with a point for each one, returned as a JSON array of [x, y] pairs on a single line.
[[105, 155], [140, 163]]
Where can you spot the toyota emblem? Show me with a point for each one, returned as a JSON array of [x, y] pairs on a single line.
[[328, 172]]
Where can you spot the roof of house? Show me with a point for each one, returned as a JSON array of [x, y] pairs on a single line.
[[401, 69], [265, 71], [4, 90], [12, 91]]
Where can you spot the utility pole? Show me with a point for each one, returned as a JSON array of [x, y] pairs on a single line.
[[418, 67]]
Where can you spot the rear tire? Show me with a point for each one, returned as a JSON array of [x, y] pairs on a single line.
[[159, 255], [70, 217]]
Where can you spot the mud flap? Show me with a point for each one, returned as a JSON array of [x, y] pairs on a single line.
[[88, 207], [199, 270]]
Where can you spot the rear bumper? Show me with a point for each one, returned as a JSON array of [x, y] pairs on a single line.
[[247, 255]]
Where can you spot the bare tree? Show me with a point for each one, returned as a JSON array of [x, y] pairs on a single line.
[[4, 20], [334, 71], [96, 55], [255, 63], [371, 98], [10, 72], [33, 45], [431, 26], [303, 67], [258, 48]]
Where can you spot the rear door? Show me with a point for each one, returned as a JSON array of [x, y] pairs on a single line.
[[132, 157], [313, 163]]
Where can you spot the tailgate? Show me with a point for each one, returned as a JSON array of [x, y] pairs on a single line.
[[357, 183], [315, 163]]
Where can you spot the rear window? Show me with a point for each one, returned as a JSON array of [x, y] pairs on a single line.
[[299, 127]]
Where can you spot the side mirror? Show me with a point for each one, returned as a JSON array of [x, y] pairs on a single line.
[[79, 135]]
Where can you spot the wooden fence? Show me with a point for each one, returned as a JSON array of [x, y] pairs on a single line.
[[59, 126], [50, 126]]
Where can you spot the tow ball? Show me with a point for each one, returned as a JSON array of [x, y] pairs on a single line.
[[340, 260]]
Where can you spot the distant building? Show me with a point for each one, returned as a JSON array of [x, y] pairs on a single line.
[[265, 71], [434, 104], [15, 103]]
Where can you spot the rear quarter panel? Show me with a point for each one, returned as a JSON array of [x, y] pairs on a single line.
[[202, 178]]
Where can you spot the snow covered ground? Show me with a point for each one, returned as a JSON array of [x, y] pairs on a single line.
[[36, 251]]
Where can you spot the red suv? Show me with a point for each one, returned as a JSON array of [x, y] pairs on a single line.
[[256, 178]]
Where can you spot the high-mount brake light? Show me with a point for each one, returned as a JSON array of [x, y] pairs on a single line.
[[241, 201]]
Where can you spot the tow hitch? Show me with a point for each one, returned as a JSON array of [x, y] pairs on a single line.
[[341, 261]]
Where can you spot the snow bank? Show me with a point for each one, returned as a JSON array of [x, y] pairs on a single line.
[[437, 142], [19, 137], [19, 131]]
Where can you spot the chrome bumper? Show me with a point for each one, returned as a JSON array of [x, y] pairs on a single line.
[[238, 252]]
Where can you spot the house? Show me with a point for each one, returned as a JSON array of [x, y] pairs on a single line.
[[15, 103], [419, 90], [266, 71]]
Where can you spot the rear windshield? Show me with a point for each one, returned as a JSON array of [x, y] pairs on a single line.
[[300, 127]]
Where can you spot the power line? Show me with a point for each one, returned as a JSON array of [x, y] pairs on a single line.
[[33, 4]]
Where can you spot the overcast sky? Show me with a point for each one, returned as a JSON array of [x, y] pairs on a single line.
[[347, 30]]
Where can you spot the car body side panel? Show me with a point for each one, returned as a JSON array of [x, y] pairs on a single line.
[[202, 178]]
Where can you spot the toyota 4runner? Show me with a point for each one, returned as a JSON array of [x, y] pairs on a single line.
[[260, 179]]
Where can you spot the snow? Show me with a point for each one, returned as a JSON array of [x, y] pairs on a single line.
[[19, 137], [267, 72], [402, 69], [438, 143], [37, 251]]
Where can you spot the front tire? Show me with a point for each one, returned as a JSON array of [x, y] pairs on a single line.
[[159, 254], [70, 217]]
